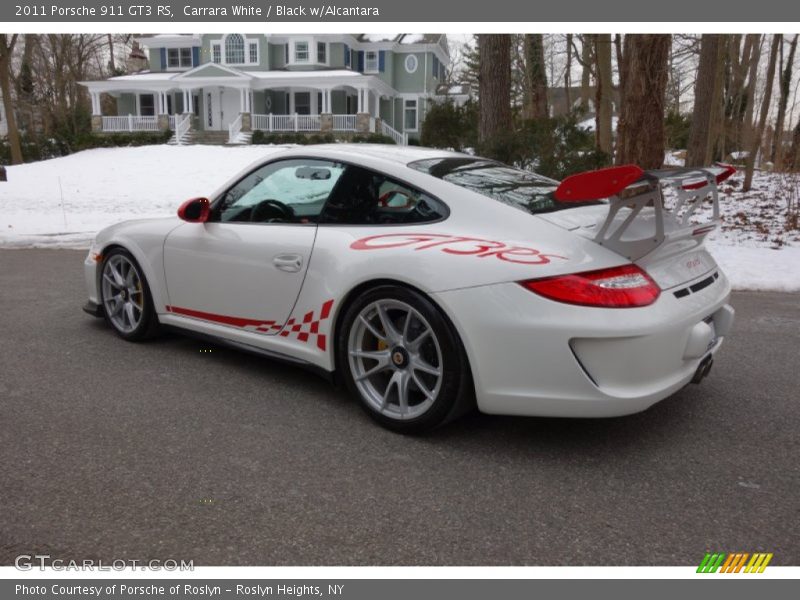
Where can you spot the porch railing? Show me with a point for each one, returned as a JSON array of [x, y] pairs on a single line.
[[234, 129], [344, 122], [297, 122], [182, 125], [130, 123], [401, 139]]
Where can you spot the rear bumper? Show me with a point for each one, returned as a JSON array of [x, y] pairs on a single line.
[[533, 356]]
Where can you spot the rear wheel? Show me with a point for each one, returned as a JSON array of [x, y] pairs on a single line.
[[125, 297], [403, 361]]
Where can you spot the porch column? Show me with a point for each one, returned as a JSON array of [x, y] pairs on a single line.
[[190, 103], [362, 114], [97, 112]]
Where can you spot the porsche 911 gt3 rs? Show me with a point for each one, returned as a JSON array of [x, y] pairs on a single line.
[[431, 281]]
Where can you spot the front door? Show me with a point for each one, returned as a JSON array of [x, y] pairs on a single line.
[[222, 107], [244, 268]]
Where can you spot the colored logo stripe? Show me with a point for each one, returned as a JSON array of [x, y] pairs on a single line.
[[734, 562]]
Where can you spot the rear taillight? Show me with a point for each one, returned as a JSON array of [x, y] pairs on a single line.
[[618, 287]]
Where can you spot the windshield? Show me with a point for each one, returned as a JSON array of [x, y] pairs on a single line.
[[524, 190]]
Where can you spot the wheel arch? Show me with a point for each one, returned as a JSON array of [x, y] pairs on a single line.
[[365, 286]]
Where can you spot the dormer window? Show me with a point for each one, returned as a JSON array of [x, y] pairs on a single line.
[[234, 49], [179, 58], [370, 61], [301, 52], [322, 53]]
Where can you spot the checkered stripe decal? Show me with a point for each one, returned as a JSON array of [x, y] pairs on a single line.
[[309, 326], [304, 330]]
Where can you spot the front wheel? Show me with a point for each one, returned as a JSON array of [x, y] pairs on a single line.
[[403, 360], [125, 297]]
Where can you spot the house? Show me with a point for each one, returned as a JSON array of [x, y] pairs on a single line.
[[236, 83]]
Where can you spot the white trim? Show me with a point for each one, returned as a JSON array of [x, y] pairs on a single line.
[[367, 70], [180, 67], [415, 99], [413, 59], [247, 42]]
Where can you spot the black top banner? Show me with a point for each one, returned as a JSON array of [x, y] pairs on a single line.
[[470, 11]]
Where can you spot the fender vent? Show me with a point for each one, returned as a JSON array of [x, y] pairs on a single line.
[[696, 287]]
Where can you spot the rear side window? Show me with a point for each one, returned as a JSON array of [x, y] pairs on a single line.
[[524, 190], [364, 197]]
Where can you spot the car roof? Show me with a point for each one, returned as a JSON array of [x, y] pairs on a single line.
[[399, 154]]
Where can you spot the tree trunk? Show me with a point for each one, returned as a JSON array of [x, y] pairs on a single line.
[[750, 94], [717, 129], [640, 136], [586, 72], [785, 89], [699, 152], [537, 76], [568, 75], [6, 49], [738, 91], [494, 85], [759, 131], [605, 90]]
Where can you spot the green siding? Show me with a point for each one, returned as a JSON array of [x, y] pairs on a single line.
[[155, 59], [339, 102], [126, 105], [336, 58], [277, 54]]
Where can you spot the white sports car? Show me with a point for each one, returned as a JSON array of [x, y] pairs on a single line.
[[429, 281]]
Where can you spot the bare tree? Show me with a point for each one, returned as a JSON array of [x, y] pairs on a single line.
[[759, 131], [604, 92], [568, 75], [707, 95], [7, 44], [495, 85], [643, 73], [785, 88], [536, 77], [746, 137]]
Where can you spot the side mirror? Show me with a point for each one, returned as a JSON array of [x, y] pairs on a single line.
[[196, 210]]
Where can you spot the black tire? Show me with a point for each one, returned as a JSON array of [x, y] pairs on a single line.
[[456, 392], [148, 325]]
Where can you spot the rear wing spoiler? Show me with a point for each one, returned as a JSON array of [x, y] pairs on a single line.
[[629, 187]]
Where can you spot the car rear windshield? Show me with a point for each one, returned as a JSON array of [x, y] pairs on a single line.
[[524, 190]]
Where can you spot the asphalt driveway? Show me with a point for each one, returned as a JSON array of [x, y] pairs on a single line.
[[178, 449]]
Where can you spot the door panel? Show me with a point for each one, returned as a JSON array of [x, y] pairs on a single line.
[[237, 274]]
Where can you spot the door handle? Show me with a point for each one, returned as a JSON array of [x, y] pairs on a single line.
[[291, 263]]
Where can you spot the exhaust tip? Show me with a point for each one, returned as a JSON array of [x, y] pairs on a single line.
[[703, 369]]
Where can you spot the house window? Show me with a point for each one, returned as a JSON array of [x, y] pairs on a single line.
[[322, 53], [253, 48], [411, 63], [370, 61], [178, 58], [286, 54], [302, 103], [301, 52], [147, 105], [410, 113], [346, 56], [234, 49], [435, 67], [216, 53]]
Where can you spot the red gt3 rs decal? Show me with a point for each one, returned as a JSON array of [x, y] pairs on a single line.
[[303, 330], [456, 244]]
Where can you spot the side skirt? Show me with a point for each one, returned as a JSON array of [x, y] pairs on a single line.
[[284, 358]]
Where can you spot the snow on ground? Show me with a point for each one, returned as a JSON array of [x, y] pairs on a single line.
[[63, 202]]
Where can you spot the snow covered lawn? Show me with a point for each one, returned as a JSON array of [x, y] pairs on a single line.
[[64, 202]]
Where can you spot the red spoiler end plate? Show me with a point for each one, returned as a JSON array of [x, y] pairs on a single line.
[[596, 185]]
